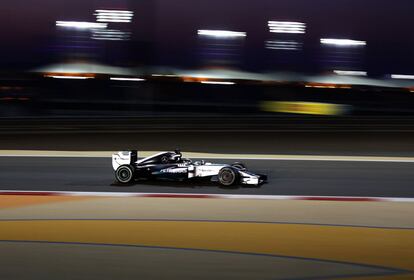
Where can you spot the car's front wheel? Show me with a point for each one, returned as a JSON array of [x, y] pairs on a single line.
[[124, 174], [239, 165], [228, 176]]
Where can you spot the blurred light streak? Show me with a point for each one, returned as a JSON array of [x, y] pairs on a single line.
[[127, 79], [307, 108], [343, 42], [402, 77], [6, 88], [69, 77], [287, 27], [115, 11], [81, 24], [114, 16], [108, 38], [283, 45], [165, 75], [350, 73], [221, 33], [217, 83], [111, 35], [329, 86]]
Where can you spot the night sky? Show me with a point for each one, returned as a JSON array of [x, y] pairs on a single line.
[[170, 25]]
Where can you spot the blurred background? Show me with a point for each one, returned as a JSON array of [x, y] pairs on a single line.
[[120, 58]]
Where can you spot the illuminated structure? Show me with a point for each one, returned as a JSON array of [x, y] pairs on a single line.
[[286, 27], [116, 18], [285, 43], [343, 56], [99, 39], [74, 39], [221, 47]]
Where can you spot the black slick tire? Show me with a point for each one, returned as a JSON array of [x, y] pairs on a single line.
[[124, 174], [228, 177]]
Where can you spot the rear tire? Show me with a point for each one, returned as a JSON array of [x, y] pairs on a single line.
[[124, 174], [228, 177]]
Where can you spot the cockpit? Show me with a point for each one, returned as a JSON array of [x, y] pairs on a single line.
[[162, 158]]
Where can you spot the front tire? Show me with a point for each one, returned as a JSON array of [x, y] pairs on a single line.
[[228, 177], [124, 174], [239, 166]]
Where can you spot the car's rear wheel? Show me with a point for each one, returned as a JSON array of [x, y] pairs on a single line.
[[228, 176], [124, 174]]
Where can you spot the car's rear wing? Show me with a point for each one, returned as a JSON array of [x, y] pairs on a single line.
[[124, 158]]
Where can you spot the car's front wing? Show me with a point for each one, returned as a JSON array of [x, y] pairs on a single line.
[[248, 178]]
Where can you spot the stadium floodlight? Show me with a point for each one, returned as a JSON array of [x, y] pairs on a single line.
[[289, 45], [287, 27], [221, 33], [81, 25], [114, 16], [402, 77], [218, 83], [343, 42], [350, 73]]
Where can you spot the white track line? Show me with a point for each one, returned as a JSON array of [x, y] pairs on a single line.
[[107, 154], [209, 196]]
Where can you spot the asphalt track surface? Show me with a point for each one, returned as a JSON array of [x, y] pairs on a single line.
[[319, 178]]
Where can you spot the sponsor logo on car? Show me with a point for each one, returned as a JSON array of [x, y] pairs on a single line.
[[174, 170]]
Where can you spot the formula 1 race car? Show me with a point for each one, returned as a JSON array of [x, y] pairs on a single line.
[[172, 166]]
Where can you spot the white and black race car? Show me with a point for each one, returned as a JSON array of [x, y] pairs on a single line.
[[172, 166]]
